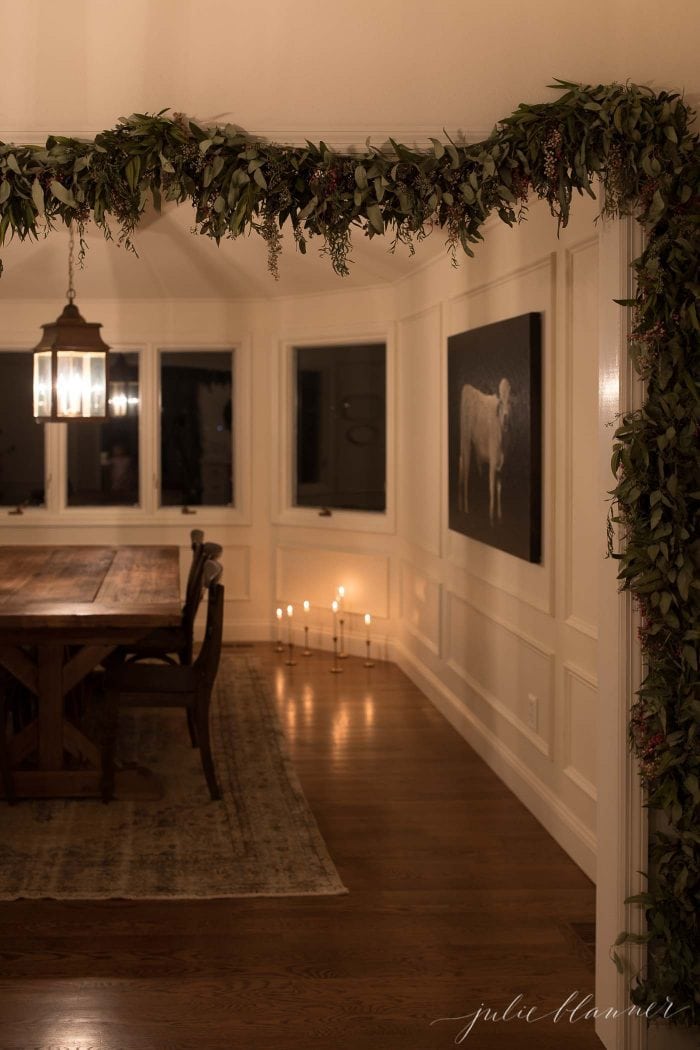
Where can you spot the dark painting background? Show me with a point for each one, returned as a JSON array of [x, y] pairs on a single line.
[[483, 356]]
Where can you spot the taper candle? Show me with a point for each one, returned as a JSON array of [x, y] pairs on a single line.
[[307, 606], [369, 662]]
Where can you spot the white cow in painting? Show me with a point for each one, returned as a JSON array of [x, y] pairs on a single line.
[[482, 421]]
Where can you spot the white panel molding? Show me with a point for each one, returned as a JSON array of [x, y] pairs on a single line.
[[590, 682], [434, 646], [623, 821], [419, 315], [243, 552], [577, 623], [542, 741], [564, 826], [544, 262], [436, 549], [379, 564], [582, 627], [465, 552]]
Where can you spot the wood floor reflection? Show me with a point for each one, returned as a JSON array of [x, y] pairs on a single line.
[[458, 899]]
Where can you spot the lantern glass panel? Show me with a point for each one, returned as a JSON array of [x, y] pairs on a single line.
[[42, 385]]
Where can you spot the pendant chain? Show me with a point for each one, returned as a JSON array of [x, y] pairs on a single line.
[[71, 251]]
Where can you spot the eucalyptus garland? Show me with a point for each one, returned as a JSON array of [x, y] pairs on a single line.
[[638, 144]]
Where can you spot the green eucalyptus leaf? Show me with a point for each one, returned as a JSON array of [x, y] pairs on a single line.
[[375, 218], [62, 194]]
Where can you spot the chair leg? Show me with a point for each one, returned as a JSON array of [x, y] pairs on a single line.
[[201, 715], [192, 726]]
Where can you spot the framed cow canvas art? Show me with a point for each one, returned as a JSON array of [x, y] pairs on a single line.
[[495, 434]]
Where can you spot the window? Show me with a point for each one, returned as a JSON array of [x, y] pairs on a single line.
[[196, 453], [103, 458], [22, 468], [166, 447], [341, 427]]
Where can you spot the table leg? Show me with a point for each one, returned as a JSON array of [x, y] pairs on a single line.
[[50, 683]]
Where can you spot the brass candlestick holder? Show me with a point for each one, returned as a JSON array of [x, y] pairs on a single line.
[[279, 647], [342, 655], [334, 668], [290, 661], [368, 662], [307, 651]]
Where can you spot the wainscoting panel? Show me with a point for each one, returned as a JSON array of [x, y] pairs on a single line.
[[420, 430], [304, 573], [512, 673], [580, 728], [531, 287], [420, 606], [582, 499]]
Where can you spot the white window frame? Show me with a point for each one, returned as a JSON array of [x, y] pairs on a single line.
[[10, 512], [284, 403], [239, 513], [56, 512]]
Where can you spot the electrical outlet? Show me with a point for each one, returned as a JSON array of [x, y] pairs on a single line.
[[532, 711]]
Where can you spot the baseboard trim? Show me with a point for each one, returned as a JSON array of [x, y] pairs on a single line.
[[563, 825]]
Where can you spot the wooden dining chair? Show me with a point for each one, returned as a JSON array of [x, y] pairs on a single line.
[[175, 644], [163, 685], [196, 543]]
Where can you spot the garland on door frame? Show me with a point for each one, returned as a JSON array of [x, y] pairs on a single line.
[[640, 146]]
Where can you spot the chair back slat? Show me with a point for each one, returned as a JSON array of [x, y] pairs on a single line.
[[195, 589], [197, 542], [207, 662]]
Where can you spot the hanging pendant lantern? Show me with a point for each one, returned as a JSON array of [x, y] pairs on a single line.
[[70, 365]]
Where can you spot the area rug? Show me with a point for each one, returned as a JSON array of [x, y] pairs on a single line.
[[261, 839]]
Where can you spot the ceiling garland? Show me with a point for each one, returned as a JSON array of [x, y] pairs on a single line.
[[640, 147]]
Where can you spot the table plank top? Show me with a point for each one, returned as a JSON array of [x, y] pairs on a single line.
[[86, 586]]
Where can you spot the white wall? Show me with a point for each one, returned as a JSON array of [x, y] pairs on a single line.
[[481, 630]]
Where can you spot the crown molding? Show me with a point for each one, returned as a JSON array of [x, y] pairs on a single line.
[[342, 139]]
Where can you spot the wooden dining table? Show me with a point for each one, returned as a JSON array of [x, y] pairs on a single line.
[[63, 610]]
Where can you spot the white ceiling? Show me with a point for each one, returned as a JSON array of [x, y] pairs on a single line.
[[313, 68]]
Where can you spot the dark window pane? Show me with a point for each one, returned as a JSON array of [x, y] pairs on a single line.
[[21, 437], [341, 427], [103, 458], [196, 454]]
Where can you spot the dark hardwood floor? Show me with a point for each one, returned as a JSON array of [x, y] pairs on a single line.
[[458, 899]]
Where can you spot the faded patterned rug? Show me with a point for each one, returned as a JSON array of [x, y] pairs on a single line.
[[260, 840]]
